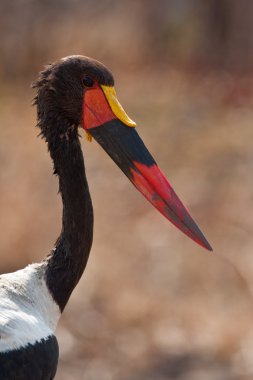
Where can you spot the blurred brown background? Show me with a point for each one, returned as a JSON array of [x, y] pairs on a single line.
[[152, 305]]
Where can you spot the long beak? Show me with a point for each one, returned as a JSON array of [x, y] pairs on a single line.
[[128, 151]]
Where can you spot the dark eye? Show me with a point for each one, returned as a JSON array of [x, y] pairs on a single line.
[[88, 81]]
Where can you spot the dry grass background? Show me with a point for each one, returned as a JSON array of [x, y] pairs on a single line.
[[151, 303]]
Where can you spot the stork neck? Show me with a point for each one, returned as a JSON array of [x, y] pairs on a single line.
[[66, 263]]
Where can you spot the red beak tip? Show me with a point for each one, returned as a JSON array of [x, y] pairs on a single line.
[[206, 245], [209, 248]]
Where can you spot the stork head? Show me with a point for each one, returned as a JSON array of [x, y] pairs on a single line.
[[79, 91]]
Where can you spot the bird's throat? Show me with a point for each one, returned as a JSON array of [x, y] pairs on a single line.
[[68, 259]]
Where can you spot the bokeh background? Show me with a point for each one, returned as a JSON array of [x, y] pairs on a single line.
[[151, 304]]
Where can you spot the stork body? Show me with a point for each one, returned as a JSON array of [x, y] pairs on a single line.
[[32, 299], [28, 318], [76, 90]]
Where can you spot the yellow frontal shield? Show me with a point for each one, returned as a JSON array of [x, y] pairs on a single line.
[[115, 105]]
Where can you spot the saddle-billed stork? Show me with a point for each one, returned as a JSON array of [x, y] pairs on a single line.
[[75, 91]]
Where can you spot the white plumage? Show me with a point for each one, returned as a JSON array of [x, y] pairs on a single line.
[[28, 312]]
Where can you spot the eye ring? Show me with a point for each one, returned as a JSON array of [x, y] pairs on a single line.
[[88, 81]]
